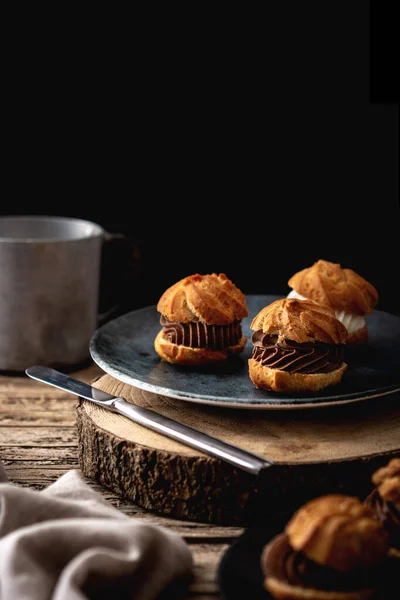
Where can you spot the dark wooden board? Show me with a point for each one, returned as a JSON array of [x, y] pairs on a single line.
[[317, 451]]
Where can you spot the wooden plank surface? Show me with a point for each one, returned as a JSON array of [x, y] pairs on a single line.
[[39, 442]]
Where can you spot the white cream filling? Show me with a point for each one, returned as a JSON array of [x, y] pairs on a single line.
[[294, 294], [352, 323]]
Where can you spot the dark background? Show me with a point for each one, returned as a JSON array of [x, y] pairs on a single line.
[[243, 142]]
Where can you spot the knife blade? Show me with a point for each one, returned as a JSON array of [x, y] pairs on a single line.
[[247, 461]]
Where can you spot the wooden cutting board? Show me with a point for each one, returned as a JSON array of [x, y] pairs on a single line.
[[315, 451]]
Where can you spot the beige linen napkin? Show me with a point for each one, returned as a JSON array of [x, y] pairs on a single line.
[[67, 543]]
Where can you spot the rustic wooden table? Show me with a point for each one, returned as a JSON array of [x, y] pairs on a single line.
[[39, 442]]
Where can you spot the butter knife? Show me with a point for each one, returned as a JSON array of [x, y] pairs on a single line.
[[247, 461]]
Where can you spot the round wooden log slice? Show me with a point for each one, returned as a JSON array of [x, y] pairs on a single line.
[[314, 451]]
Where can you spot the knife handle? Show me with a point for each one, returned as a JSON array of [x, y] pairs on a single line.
[[192, 437]]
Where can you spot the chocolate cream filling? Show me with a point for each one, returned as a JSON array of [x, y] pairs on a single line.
[[285, 564], [388, 515], [286, 355], [200, 335]]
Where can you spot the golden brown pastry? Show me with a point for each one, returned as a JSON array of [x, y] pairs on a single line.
[[343, 290], [201, 319], [331, 549], [298, 346], [384, 500]]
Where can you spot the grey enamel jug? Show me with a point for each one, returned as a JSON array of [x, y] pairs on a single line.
[[49, 290]]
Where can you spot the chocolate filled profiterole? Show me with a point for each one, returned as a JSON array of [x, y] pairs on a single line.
[[384, 501], [343, 290], [297, 346], [201, 319], [331, 549]]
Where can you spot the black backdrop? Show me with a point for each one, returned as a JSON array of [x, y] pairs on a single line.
[[241, 143]]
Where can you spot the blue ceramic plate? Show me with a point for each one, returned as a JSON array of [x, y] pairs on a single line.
[[239, 571], [124, 348]]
